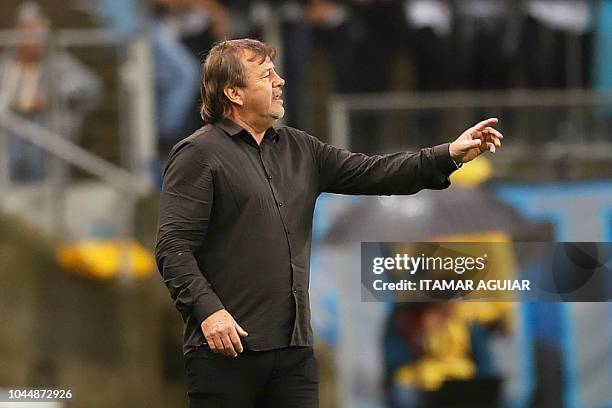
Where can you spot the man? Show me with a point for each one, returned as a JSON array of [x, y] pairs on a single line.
[[306, 24], [557, 43], [33, 83], [235, 229], [484, 25]]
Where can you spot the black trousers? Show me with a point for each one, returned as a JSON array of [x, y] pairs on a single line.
[[285, 378]]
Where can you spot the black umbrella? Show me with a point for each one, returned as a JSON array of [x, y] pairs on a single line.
[[430, 215]]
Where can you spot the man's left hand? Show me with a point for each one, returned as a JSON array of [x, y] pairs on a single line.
[[475, 141]]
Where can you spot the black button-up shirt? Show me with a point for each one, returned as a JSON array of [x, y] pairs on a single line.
[[236, 217]]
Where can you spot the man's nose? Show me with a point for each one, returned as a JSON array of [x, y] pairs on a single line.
[[279, 81]]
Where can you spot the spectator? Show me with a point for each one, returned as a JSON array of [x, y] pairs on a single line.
[[379, 27], [323, 23], [33, 81], [380, 37], [177, 73], [124, 17], [486, 43], [557, 43], [429, 25], [200, 24], [429, 44], [180, 30], [438, 354]]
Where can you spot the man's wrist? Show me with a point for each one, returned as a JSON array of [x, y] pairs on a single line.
[[206, 306], [455, 158], [443, 159]]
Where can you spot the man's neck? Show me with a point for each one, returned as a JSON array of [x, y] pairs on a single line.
[[257, 132]]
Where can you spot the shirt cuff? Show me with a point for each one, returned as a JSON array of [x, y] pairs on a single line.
[[443, 159], [206, 305]]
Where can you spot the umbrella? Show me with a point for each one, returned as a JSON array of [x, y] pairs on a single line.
[[430, 215]]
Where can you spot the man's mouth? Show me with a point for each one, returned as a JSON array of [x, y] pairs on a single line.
[[277, 97]]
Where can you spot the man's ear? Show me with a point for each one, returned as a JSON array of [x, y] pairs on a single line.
[[234, 95]]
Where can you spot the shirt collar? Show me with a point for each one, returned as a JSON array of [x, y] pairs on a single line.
[[232, 128]]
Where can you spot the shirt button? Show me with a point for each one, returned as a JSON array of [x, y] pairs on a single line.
[[292, 261], [280, 204], [294, 290], [269, 177]]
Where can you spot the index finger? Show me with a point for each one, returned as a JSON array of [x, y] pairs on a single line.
[[486, 123]]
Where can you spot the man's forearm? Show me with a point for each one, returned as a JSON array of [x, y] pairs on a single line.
[[190, 290], [399, 173]]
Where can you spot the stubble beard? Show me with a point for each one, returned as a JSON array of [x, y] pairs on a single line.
[[277, 110]]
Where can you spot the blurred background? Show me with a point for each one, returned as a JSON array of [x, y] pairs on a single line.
[[94, 93]]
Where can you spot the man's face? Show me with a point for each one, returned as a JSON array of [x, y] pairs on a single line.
[[262, 95], [32, 50]]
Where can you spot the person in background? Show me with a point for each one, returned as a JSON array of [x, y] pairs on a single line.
[[34, 83], [556, 54], [557, 43], [179, 31], [177, 73], [321, 23], [198, 25], [428, 43], [486, 42], [379, 28], [430, 25], [439, 354]]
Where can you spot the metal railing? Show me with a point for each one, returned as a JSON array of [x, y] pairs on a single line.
[[522, 108], [69, 152]]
